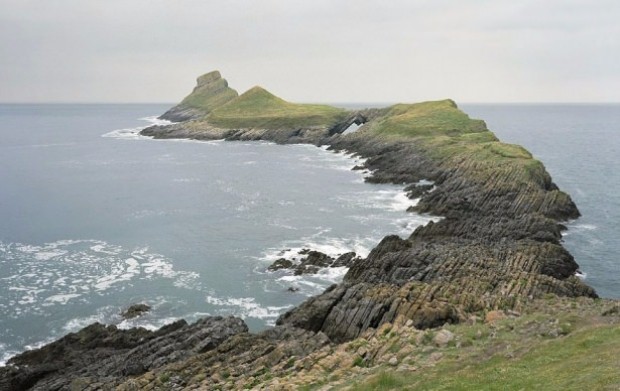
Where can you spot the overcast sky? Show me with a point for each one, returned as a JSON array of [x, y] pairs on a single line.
[[312, 50]]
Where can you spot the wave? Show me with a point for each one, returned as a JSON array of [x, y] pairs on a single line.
[[578, 228], [246, 307], [39, 278], [134, 133]]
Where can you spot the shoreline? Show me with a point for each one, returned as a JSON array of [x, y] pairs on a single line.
[[132, 134]]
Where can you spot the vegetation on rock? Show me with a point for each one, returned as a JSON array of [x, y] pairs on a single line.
[[555, 344], [258, 108], [210, 93], [435, 118]]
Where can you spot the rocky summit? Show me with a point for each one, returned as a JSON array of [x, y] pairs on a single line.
[[495, 253], [211, 92]]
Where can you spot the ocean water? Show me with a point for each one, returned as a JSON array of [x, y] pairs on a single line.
[[94, 218]]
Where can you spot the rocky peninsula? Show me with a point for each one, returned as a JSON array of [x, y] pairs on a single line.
[[489, 279]]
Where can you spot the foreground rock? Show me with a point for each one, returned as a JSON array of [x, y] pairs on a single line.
[[279, 359], [99, 357]]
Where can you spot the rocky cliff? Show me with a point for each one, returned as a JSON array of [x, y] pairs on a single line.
[[496, 248], [211, 92]]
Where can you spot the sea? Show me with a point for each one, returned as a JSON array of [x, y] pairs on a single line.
[[95, 217]]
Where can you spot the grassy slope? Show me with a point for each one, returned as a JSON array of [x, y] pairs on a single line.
[[587, 360], [211, 92], [448, 135], [207, 101], [258, 108], [445, 130]]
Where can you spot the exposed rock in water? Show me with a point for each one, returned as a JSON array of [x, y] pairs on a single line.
[[135, 311], [281, 263], [313, 261]]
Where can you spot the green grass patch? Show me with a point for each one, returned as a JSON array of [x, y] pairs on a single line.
[[382, 381], [360, 362], [428, 119], [450, 136], [586, 360], [258, 108], [164, 377], [211, 92]]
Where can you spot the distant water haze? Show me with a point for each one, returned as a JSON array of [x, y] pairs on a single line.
[[92, 224]]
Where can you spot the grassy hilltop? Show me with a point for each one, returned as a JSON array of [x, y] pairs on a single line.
[[258, 108]]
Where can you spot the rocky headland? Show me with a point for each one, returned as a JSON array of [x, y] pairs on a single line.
[[493, 265]]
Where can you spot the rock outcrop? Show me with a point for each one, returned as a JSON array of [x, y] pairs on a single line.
[[211, 92], [497, 247], [312, 261], [135, 310], [99, 357]]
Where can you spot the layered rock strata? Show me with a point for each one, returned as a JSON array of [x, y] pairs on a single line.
[[100, 357], [211, 92]]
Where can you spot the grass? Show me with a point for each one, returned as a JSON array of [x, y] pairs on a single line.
[[258, 108], [428, 119], [450, 137], [383, 381], [210, 93], [586, 360]]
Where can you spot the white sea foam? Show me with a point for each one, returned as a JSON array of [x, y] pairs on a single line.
[[145, 213], [586, 227], [341, 160], [60, 299], [153, 324], [574, 227], [152, 320], [6, 354], [246, 307], [134, 133], [313, 284], [582, 275], [103, 315], [186, 180], [58, 273]]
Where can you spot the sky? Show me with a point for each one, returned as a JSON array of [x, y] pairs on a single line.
[[312, 51]]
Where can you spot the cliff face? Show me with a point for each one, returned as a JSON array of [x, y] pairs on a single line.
[[497, 246]]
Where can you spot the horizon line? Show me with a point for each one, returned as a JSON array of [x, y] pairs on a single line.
[[328, 103]]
